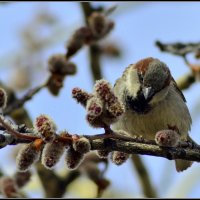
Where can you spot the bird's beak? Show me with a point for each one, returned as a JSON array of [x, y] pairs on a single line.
[[147, 92]]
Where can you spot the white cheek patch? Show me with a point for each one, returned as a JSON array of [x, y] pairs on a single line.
[[132, 82]]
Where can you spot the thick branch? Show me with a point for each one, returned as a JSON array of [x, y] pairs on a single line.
[[131, 145], [192, 154]]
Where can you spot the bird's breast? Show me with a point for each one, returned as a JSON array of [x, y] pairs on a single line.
[[143, 119]]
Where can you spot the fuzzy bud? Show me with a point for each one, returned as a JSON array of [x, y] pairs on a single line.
[[110, 50], [22, 178], [102, 153], [28, 155], [55, 83], [98, 24], [3, 98], [103, 90], [81, 36], [94, 106], [119, 158], [52, 153], [94, 121], [58, 64], [8, 187], [82, 145], [94, 110], [73, 158], [46, 127], [81, 96], [167, 138], [116, 109]]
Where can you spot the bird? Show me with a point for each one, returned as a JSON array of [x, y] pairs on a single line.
[[153, 102]]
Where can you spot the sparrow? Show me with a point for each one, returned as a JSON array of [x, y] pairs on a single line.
[[153, 102]]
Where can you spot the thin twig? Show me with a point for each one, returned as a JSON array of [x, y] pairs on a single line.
[[182, 49], [178, 48], [191, 154], [20, 102], [93, 49], [16, 133]]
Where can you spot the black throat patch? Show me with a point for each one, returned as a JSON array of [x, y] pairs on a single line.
[[138, 104]]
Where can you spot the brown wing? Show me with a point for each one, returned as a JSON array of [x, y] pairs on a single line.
[[178, 90]]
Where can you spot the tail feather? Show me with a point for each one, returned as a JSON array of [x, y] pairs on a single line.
[[182, 165]]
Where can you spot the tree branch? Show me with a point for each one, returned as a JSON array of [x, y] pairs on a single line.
[[191, 154], [144, 178], [20, 102], [54, 186], [134, 145], [93, 49], [178, 48], [185, 81]]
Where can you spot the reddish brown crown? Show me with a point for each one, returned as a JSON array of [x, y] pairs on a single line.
[[143, 64]]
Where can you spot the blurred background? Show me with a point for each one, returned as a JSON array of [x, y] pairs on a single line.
[[33, 31]]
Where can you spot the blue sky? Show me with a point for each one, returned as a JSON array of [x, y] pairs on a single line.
[[138, 26]]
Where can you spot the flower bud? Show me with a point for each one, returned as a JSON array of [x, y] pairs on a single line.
[[81, 36], [73, 158], [167, 138], [46, 127], [116, 109], [103, 90], [98, 24], [81, 96], [55, 83], [94, 106], [8, 187], [52, 153], [22, 178], [95, 121], [28, 155], [58, 64], [119, 158], [102, 153], [82, 145], [110, 50]]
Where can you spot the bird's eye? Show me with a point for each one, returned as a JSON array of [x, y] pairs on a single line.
[[140, 77]]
